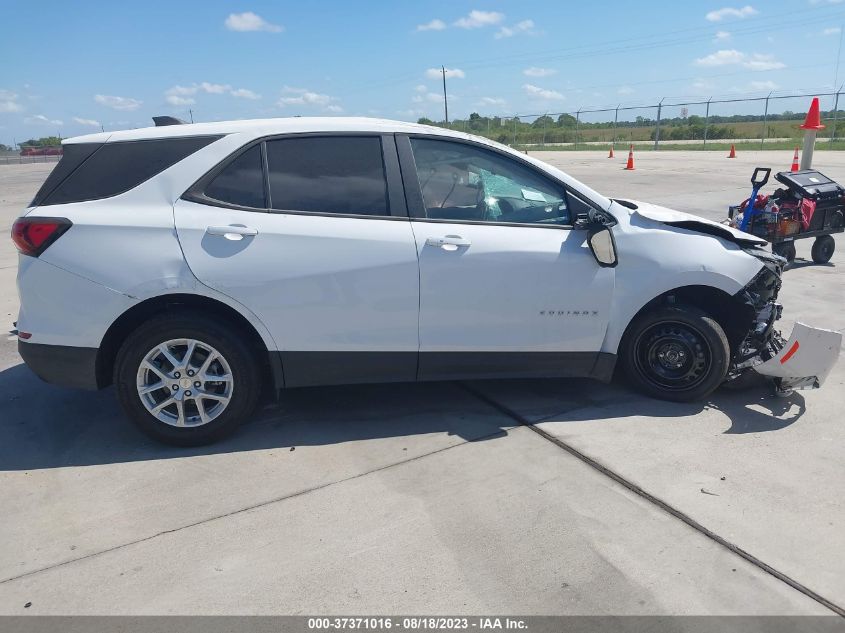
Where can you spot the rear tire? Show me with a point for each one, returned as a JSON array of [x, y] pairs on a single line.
[[677, 353], [823, 248], [186, 379]]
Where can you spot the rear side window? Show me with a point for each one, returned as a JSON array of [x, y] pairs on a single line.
[[328, 174], [73, 155], [115, 168], [241, 182]]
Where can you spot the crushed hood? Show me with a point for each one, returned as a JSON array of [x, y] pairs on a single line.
[[692, 223]]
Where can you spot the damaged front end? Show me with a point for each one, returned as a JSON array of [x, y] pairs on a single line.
[[763, 349]]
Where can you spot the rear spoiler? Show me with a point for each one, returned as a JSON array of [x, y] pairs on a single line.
[[167, 120]]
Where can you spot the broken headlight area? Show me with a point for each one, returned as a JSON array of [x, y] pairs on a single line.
[[758, 301]]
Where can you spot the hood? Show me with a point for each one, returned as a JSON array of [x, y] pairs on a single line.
[[692, 223]]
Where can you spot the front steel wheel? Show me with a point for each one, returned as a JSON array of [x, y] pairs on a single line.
[[676, 353]]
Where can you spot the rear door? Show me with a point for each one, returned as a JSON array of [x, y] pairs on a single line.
[[311, 233]]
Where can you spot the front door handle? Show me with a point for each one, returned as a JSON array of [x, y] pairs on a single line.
[[232, 232], [448, 242]]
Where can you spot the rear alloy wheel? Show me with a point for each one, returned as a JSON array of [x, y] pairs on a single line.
[[186, 379], [823, 248], [676, 353]]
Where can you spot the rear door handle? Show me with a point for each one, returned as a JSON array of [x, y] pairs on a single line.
[[232, 232], [448, 242]]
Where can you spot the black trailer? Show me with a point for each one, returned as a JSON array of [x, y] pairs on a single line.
[[809, 205]]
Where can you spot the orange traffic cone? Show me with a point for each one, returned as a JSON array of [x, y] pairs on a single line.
[[630, 165], [733, 152], [813, 120], [794, 161], [610, 155]]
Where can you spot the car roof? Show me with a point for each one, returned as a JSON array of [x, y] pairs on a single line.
[[256, 128], [261, 127]]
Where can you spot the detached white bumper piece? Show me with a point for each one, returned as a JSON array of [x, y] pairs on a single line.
[[806, 359]]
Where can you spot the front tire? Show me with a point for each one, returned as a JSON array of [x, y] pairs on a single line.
[[186, 379], [676, 353]]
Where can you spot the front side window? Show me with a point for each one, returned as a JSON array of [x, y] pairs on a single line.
[[241, 182], [462, 182], [328, 174]]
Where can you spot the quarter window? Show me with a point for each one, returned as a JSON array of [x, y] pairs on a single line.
[[241, 182], [114, 168], [323, 174], [465, 183]]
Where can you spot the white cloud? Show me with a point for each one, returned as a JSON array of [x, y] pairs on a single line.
[[526, 27], [334, 108], [759, 61], [90, 122], [434, 25], [703, 84], [826, 1], [214, 89], [243, 93], [451, 73], [493, 102], [730, 12], [118, 103], [542, 93], [40, 119], [721, 58], [9, 102], [478, 19], [721, 36], [420, 88], [625, 90], [729, 57], [305, 97], [534, 71], [249, 21], [176, 100], [763, 85], [834, 30]]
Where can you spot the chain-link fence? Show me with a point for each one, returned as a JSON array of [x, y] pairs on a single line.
[[765, 122]]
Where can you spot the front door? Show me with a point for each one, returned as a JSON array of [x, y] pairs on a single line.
[[319, 248], [507, 285]]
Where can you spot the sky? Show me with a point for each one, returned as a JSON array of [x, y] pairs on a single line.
[[69, 68]]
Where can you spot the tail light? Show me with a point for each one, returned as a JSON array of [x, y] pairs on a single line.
[[32, 236]]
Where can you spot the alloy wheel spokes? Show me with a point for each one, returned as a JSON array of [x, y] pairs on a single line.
[[185, 382]]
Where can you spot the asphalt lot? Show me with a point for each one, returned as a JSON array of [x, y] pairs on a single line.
[[441, 498]]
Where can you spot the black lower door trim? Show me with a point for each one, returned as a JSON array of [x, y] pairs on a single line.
[[302, 369]]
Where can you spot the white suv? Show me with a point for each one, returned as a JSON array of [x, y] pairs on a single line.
[[198, 267]]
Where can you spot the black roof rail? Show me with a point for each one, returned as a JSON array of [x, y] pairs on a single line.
[[167, 120]]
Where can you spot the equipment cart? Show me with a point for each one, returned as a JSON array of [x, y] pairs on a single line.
[[809, 205]]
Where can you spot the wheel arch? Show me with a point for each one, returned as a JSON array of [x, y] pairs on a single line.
[[127, 322], [727, 310]]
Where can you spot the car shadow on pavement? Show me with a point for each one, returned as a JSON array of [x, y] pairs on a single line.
[[44, 426]]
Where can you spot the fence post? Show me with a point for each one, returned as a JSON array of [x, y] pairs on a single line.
[[515, 119], [657, 128], [765, 122], [544, 129], [707, 120], [615, 121], [577, 123]]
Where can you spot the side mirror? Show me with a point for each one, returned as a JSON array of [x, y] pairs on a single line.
[[603, 246]]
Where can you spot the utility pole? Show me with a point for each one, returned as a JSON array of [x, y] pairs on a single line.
[[445, 100], [191, 112]]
